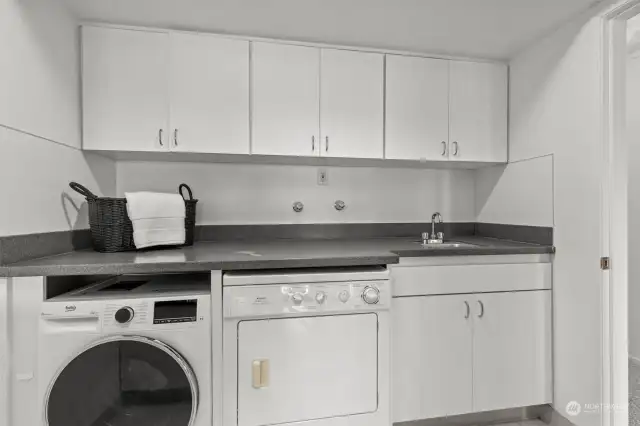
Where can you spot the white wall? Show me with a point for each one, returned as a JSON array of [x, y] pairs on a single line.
[[519, 193], [39, 70], [40, 121], [264, 194], [555, 101], [633, 136], [34, 178]]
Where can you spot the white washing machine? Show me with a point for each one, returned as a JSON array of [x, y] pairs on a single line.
[[307, 347], [129, 352]]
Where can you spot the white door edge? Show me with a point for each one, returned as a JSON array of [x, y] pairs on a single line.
[[614, 213]]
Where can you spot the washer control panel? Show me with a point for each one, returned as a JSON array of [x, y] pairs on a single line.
[[267, 300], [131, 313]]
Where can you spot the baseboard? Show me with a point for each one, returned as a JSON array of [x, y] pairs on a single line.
[[511, 415], [553, 418]]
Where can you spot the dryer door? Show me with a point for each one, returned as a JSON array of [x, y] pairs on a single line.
[[296, 369], [123, 381]]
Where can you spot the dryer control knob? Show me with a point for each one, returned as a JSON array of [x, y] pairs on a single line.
[[321, 296], [297, 298], [124, 315], [344, 296], [371, 295]]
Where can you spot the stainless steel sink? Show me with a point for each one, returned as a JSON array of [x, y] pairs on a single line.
[[451, 244]]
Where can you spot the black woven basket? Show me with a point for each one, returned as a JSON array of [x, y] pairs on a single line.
[[111, 228]]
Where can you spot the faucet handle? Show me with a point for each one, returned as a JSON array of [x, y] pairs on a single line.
[[425, 237], [441, 236]]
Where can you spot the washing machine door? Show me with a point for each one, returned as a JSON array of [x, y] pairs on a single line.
[[123, 381]]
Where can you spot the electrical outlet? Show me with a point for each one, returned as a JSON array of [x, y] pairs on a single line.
[[323, 177]]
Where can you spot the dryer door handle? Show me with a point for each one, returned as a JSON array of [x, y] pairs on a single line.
[[260, 373]]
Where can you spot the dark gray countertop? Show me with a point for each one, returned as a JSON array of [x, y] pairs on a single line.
[[239, 255]]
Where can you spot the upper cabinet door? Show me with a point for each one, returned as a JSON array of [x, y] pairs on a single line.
[[512, 350], [124, 89], [478, 118], [285, 114], [417, 108], [209, 83], [351, 104]]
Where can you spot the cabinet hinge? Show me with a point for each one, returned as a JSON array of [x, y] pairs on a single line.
[[605, 263]]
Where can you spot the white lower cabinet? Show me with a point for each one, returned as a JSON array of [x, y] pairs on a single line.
[[464, 353], [512, 350], [432, 357]]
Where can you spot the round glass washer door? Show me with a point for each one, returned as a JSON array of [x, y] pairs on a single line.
[[124, 381]]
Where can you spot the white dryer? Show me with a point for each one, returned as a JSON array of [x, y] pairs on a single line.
[[307, 347], [127, 353]]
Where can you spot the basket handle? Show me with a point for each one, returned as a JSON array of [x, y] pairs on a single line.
[[82, 190], [183, 186]]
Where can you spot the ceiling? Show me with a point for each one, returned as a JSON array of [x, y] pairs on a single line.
[[476, 28]]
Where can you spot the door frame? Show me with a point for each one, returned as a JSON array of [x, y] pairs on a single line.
[[614, 214]]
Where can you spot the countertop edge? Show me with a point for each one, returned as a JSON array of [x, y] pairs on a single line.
[[147, 268], [387, 258]]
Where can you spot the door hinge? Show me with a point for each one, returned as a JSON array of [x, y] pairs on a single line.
[[605, 263]]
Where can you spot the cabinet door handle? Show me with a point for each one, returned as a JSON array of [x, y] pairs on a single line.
[[160, 137], [481, 314], [175, 137], [467, 311], [313, 143], [326, 143], [455, 148], [444, 148]]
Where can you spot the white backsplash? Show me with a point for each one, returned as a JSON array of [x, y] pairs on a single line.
[[264, 194]]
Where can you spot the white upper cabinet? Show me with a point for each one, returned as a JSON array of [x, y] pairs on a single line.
[[125, 97], [440, 110], [148, 90], [285, 99], [478, 112], [351, 104], [417, 108], [209, 83], [154, 91]]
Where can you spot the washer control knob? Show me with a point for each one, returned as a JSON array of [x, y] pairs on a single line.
[[321, 297], [124, 315], [297, 298], [344, 296], [371, 295]]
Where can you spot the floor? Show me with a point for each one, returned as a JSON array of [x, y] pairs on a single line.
[[525, 423], [447, 422], [634, 394]]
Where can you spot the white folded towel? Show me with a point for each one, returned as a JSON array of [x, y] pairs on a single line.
[[152, 205], [157, 219]]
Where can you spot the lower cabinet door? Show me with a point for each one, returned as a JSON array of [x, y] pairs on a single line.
[[432, 357], [406, 359], [512, 350], [447, 356]]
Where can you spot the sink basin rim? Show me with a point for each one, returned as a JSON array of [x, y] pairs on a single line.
[[452, 244]]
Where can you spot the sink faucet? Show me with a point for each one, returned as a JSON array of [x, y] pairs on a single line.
[[439, 237]]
